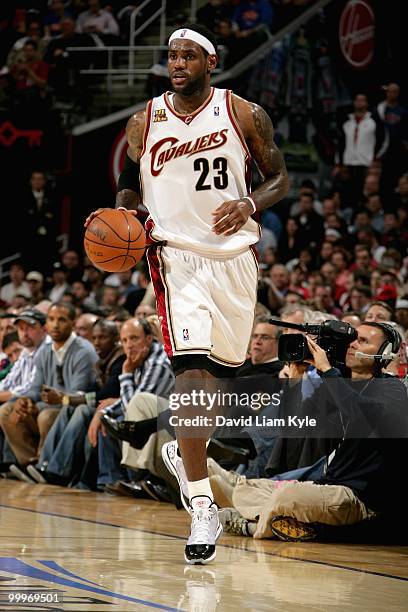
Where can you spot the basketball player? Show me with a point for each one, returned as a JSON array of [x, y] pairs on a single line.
[[192, 151]]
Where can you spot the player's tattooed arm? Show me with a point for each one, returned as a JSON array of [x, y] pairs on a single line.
[[258, 133], [129, 197]]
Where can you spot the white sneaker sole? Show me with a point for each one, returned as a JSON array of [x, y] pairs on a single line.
[[35, 474], [205, 561], [20, 475], [172, 469]]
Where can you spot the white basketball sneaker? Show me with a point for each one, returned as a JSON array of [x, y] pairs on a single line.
[[205, 531], [174, 464]]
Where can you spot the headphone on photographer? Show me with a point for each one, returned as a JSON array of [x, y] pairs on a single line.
[[388, 350]]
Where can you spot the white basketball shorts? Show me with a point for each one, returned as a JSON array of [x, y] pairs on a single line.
[[206, 305]]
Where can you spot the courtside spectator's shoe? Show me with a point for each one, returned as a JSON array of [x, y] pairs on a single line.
[[205, 531], [290, 530], [126, 431], [21, 473], [174, 464], [233, 522], [44, 477], [156, 490]]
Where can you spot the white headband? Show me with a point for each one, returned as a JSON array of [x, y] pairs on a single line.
[[195, 37]]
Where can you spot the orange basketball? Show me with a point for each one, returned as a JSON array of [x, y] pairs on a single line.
[[115, 240]]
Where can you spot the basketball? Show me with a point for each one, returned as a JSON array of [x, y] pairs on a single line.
[[115, 240]]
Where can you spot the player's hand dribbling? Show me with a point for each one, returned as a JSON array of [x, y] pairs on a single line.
[[98, 211], [231, 216]]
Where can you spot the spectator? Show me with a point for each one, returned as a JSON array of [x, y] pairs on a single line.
[[52, 21], [59, 282], [146, 369], [64, 367], [400, 196], [81, 291], [375, 208], [34, 33], [70, 259], [395, 119], [31, 335], [30, 75], [323, 300], [35, 281], [12, 350], [212, 13], [84, 325], [40, 212], [143, 311], [98, 22], [16, 285], [273, 288], [401, 312], [361, 138], [379, 312], [263, 351], [309, 221], [251, 17], [360, 297], [62, 457], [290, 241], [65, 78]]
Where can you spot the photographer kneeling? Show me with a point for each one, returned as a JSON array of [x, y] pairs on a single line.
[[364, 475]]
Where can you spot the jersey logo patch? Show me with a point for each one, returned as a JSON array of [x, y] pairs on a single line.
[[186, 335], [159, 115], [216, 111]]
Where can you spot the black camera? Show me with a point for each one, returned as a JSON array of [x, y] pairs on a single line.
[[334, 337]]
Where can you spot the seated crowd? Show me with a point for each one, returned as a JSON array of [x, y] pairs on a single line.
[[85, 386]]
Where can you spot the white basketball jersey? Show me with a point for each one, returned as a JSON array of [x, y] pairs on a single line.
[[189, 166]]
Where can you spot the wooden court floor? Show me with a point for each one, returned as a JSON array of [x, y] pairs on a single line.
[[94, 552]]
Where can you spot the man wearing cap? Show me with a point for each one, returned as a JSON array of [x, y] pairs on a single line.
[[192, 149], [35, 281], [31, 333]]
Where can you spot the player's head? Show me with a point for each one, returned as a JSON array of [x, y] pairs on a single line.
[[191, 59]]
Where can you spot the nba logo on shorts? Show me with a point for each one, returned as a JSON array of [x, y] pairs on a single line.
[[216, 111], [185, 334]]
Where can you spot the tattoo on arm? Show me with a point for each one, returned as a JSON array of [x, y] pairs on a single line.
[[268, 159], [134, 133]]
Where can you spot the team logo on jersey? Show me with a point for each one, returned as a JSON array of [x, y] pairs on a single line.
[[159, 115], [186, 335], [169, 148], [216, 111]]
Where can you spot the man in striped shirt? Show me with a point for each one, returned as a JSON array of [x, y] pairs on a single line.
[[146, 369]]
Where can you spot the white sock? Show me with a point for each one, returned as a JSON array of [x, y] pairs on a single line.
[[199, 489]]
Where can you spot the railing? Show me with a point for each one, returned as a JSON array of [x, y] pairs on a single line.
[[160, 12], [127, 71], [7, 260], [232, 73], [130, 70]]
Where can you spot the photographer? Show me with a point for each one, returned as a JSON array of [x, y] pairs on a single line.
[[363, 476]]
